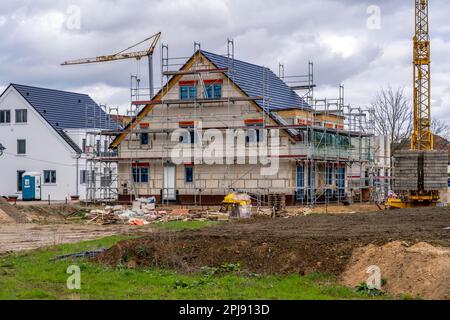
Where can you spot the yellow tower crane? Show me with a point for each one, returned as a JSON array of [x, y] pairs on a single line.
[[122, 55], [422, 139], [422, 144]]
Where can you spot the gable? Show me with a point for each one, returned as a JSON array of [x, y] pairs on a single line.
[[249, 91], [13, 100], [66, 110]]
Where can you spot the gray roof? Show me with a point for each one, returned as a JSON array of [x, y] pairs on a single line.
[[256, 80], [66, 110]]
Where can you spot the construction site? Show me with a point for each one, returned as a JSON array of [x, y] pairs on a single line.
[[227, 163], [328, 151]]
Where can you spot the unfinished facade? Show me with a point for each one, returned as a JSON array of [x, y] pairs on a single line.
[[314, 151]]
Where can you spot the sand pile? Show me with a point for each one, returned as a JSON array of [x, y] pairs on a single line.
[[10, 213], [4, 218], [421, 270]]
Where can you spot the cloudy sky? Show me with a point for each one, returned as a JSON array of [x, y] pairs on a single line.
[[347, 40]]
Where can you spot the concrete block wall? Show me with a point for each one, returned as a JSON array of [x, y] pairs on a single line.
[[213, 180], [406, 170]]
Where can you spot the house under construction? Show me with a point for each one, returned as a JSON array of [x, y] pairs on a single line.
[[324, 150]]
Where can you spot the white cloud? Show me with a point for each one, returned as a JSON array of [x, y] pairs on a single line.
[[332, 33], [345, 46]]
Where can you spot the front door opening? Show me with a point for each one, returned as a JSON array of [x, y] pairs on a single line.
[[169, 191]]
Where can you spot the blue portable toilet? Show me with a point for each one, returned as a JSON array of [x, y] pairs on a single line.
[[31, 186]]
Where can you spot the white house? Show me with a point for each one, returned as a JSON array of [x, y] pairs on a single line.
[[45, 131]]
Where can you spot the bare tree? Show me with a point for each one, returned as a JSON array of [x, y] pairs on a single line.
[[440, 128], [393, 118], [393, 115]]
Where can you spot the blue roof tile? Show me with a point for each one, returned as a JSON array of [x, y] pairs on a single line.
[[256, 80], [66, 110]]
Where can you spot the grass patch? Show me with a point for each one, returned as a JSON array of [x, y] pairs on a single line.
[[186, 225], [32, 275]]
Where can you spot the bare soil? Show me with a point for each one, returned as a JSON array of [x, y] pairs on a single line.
[[53, 224], [9, 213], [48, 214], [420, 270], [19, 237], [5, 218], [314, 243]]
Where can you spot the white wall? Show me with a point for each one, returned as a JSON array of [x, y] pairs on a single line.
[[45, 150]]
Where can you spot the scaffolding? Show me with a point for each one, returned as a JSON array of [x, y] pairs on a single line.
[[334, 164], [100, 174]]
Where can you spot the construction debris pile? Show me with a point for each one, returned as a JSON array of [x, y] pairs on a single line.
[[144, 212]]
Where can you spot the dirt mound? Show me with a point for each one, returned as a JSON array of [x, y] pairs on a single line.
[[4, 218], [189, 253], [420, 270], [48, 214], [316, 243], [11, 213]]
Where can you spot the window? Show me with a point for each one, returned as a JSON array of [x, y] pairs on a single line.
[[19, 180], [340, 181], [105, 146], [21, 116], [217, 91], [311, 181], [98, 148], [329, 180], [106, 178], [5, 116], [254, 136], [189, 137], [86, 176], [213, 91], [300, 182], [83, 147], [188, 92], [189, 174], [21, 147], [144, 138], [209, 92], [140, 175], [49, 176], [83, 176]]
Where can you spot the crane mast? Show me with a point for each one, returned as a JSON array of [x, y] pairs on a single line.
[[422, 138]]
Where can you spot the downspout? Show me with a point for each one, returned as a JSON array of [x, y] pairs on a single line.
[[77, 175]]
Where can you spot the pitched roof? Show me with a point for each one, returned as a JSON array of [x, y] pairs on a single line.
[[256, 80], [250, 79], [66, 110]]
